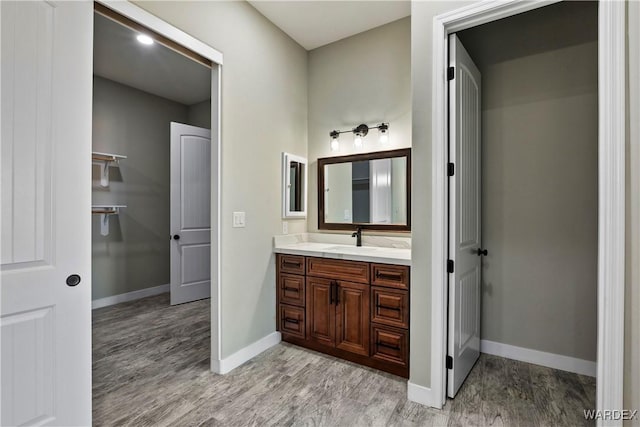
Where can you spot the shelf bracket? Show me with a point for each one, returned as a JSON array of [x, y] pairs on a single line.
[[104, 224], [104, 173], [105, 211]]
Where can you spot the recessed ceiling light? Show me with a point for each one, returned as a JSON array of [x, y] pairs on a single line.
[[144, 39]]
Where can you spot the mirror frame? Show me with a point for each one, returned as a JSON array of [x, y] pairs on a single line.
[[322, 225], [287, 158]]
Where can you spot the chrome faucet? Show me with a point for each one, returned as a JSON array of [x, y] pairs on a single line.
[[358, 235]]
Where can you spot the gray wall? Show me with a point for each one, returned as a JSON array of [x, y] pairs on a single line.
[[361, 79], [135, 254], [540, 177], [200, 114], [264, 112]]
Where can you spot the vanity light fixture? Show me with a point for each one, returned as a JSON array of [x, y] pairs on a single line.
[[359, 133]]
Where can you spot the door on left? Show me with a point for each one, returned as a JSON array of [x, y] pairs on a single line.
[[45, 308]]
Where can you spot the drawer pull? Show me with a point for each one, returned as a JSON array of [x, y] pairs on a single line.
[[289, 288], [291, 264], [386, 307], [392, 347], [291, 320], [392, 276]]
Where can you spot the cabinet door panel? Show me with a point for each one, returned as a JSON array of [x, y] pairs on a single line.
[[321, 319], [352, 318]]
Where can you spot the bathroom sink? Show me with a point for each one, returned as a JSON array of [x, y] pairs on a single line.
[[352, 249]]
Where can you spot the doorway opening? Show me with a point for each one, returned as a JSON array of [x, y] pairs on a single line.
[[155, 176], [523, 200]]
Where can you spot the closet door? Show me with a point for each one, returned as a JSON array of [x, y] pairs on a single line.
[[190, 213], [464, 216], [45, 316]]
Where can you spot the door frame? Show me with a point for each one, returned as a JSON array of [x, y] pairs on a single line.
[[611, 188], [178, 36]]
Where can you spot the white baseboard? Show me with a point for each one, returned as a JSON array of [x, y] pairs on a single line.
[[422, 395], [550, 360], [243, 355], [129, 296]]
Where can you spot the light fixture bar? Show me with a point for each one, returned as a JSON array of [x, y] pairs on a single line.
[[360, 132]]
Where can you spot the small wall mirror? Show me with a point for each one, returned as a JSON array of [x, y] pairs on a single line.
[[371, 190], [294, 186]]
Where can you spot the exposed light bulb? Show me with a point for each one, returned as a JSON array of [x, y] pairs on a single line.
[[144, 39], [383, 133], [335, 143], [357, 141]]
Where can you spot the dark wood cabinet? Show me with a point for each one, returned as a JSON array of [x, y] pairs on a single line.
[[321, 319], [354, 310], [352, 317]]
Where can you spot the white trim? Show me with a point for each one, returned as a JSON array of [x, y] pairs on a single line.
[[611, 203], [420, 394], [245, 354], [542, 358], [156, 24], [611, 185], [129, 296], [145, 18]]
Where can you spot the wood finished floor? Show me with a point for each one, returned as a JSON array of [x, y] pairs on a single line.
[[151, 368]]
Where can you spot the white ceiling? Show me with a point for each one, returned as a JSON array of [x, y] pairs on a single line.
[[155, 69], [316, 23]]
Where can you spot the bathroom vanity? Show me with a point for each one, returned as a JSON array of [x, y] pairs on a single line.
[[352, 303]]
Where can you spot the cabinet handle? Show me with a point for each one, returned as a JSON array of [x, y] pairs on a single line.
[[392, 347], [291, 320], [392, 276], [337, 293], [386, 307], [291, 264], [331, 293], [289, 288]]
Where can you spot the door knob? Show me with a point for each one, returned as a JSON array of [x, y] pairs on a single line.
[[73, 280], [481, 252], [176, 237]]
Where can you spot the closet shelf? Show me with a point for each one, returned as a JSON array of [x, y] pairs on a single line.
[[106, 157], [105, 160], [106, 209]]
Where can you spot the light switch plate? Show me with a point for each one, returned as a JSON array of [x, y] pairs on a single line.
[[285, 227], [239, 219]]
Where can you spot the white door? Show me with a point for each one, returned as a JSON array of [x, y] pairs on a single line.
[[45, 314], [190, 213], [464, 216]]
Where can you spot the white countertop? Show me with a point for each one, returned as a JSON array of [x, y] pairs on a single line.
[[384, 255]]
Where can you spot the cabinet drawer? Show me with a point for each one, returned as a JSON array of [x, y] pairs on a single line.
[[394, 276], [292, 320], [390, 307], [293, 264], [390, 345], [351, 271], [291, 289]]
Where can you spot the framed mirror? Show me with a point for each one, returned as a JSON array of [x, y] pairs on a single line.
[[370, 190], [294, 186]]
